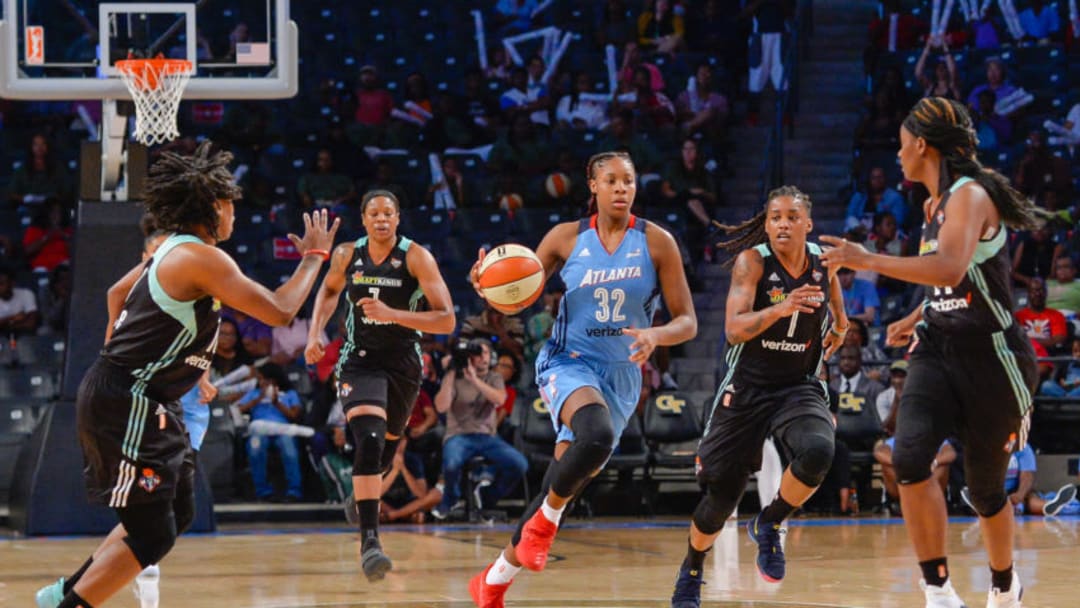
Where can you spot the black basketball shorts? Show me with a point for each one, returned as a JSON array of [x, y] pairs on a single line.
[[389, 380]]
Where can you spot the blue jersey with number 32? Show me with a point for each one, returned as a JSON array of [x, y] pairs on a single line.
[[606, 292]]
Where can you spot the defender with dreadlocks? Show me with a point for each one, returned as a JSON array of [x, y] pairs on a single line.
[[972, 370], [163, 322], [777, 338]]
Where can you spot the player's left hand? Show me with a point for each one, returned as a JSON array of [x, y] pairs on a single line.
[[207, 390], [376, 310], [843, 253], [643, 345]]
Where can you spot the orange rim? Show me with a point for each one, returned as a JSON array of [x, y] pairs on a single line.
[[145, 73]]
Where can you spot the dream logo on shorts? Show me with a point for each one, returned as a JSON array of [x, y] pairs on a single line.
[[344, 389], [1010, 445], [149, 480], [670, 403]]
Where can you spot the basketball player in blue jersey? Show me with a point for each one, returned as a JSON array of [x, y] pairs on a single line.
[[614, 266], [384, 276], [778, 335], [160, 340], [972, 370]]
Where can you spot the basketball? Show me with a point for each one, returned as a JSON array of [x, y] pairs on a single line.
[[511, 202], [511, 278], [557, 185]]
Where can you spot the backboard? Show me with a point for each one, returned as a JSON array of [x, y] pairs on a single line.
[[68, 49]]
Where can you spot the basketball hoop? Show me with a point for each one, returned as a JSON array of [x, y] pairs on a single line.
[[156, 85]]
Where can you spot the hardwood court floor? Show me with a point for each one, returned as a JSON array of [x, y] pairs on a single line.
[[600, 564]]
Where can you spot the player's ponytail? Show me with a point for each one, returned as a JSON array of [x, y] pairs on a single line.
[[590, 172], [752, 232], [946, 126]]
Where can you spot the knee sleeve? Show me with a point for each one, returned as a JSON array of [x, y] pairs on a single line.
[[387, 459], [987, 499], [912, 465], [369, 433], [184, 511], [151, 530], [722, 495], [594, 440], [812, 457]]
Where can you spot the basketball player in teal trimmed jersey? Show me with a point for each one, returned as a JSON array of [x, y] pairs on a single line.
[[614, 266], [384, 277]]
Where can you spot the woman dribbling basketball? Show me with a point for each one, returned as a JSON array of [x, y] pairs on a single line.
[[614, 266], [384, 276]]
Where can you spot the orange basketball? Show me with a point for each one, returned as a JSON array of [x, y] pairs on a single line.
[[511, 278], [511, 202], [557, 185]]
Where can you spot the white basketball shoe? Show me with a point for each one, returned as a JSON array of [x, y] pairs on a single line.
[[941, 597]]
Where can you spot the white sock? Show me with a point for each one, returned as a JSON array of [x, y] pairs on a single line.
[[501, 572], [551, 513]]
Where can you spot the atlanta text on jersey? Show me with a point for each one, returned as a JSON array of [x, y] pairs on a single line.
[[607, 275]]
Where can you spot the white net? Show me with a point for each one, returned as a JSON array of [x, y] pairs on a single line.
[[156, 86]]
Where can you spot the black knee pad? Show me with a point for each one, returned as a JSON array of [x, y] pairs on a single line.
[[369, 433], [386, 461], [987, 501], [184, 511], [722, 495], [812, 458], [151, 530], [912, 465], [594, 440]]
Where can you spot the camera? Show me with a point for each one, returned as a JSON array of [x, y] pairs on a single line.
[[461, 352]]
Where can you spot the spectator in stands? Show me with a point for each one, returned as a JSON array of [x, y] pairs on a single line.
[[860, 297], [273, 400], [661, 28], [325, 187], [373, 107], [520, 98], [1034, 255], [767, 61], [1043, 325], [509, 366], [499, 64], [879, 129], [1066, 381], [513, 16], [469, 397], [614, 26], [256, 336], [1040, 21], [877, 198], [701, 109], [574, 112], [481, 108], [18, 308], [688, 185], [995, 82], [405, 492], [1067, 133], [896, 30], [993, 130], [883, 452], [858, 396], [622, 137], [653, 111], [46, 238], [1063, 291], [884, 238], [230, 354], [1020, 486], [414, 115], [42, 175], [632, 60], [873, 357], [888, 400], [522, 148], [1041, 171], [453, 178], [56, 301], [502, 331], [538, 327], [945, 82]]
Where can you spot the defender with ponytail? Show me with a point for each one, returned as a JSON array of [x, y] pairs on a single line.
[[777, 337], [972, 370]]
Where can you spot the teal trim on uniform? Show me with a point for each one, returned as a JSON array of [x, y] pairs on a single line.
[[136, 420], [813, 248], [360, 242], [183, 312], [960, 182], [182, 340], [404, 243], [1003, 317], [988, 249], [350, 325], [763, 249], [1012, 370], [732, 359]]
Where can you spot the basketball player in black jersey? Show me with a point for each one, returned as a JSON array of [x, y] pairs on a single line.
[[778, 334], [161, 338], [972, 370], [384, 276]]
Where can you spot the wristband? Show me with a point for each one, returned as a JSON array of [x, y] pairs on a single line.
[[322, 253], [840, 333]]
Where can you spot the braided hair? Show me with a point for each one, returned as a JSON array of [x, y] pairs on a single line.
[[181, 190], [946, 126], [593, 165], [752, 231]]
